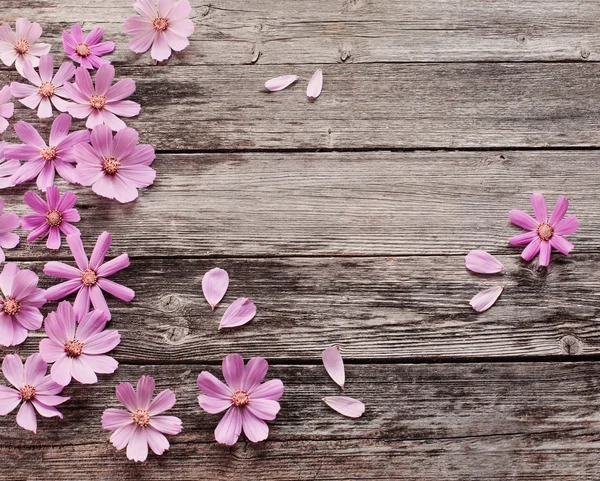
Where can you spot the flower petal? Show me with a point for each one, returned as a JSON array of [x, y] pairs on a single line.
[[163, 402], [265, 409], [524, 238], [334, 365], [214, 285], [240, 312], [545, 250], [522, 219], [532, 249], [213, 405], [115, 418], [315, 85], [233, 371], [539, 207], [166, 424], [561, 244], [559, 211], [137, 449], [12, 368], [126, 395], [279, 83], [212, 386], [272, 389], [145, 391], [255, 429], [486, 299], [347, 406], [567, 226], [482, 262], [26, 417], [230, 427]]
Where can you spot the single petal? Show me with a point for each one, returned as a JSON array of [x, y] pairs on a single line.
[[265, 409], [102, 245], [524, 238], [561, 244], [532, 249], [254, 373], [482, 262], [315, 85], [545, 250], [119, 291], [567, 226], [26, 417], [29, 135], [240, 312], [272, 389], [121, 90], [101, 363], [166, 424], [213, 405], [121, 437], [114, 265], [127, 396], [212, 386], [92, 323], [82, 372], [9, 400], [76, 246], [62, 290], [61, 370], [347, 406], [45, 410], [522, 219], [334, 365], [160, 48], [156, 441], [35, 369], [102, 342], [115, 418], [163, 402], [233, 371], [279, 83], [486, 299], [230, 427], [50, 349], [12, 368], [214, 285], [145, 391], [539, 207], [255, 429], [137, 449], [62, 270]]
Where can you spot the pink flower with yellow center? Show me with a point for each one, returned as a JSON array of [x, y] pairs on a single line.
[[86, 50], [22, 45]]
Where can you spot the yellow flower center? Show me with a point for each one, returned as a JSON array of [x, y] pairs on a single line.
[[11, 306], [141, 417], [83, 50], [27, 392], [48, 153], [240, 398], [74, 348], [54, 218], [22, 46], [98, 101], [47, 89], [110, 165], [89, 277], [545, 231], [160, 24]]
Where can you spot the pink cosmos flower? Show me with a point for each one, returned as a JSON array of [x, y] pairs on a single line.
[[22, 46], [7, 168], [34, 388], [247, 401], [47, 88], [544, 233], [142, 425], [8, 223], [101, 104], [115, 167], [6, 108], [86, 50], [89, 278], [20, 307], [164, 28], [51, 217], [41, 160], [78, 350]]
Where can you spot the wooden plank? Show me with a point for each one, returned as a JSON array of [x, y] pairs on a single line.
[[359, 31], [533, 421]]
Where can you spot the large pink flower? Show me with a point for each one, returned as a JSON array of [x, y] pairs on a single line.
[[8, 223], [78, 350], [7, 168], [101, 104], [41, 160], [142, 425], [544, 233], [86, 50], [116, 168], [89, 278], [20, 307], [47, 88], [247, 401], [35, 390], [6, 108], [164, 28], [16, 48]]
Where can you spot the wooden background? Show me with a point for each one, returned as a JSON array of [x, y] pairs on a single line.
[[347, 221]]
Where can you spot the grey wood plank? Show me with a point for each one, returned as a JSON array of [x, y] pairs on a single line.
[[533, 421], [235, 32]]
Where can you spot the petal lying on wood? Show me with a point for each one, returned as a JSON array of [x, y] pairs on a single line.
[[483, 262], [240, 312], [334, 365], [214, 286], [486, 299], [347, 406], [279, 83], [315, 85]]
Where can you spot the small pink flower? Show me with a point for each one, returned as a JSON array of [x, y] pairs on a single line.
[[164, 29], [51, 217], [41, 160], [214, 286], [35, 390], [78, 350], [7, 168], [6, 108], [89, 278], [8, 223], [16, 48], [544, 233], [142, 425], [20, 307], [47, 88], [86, 50], [101, 104], [115, 167], [248, 402]]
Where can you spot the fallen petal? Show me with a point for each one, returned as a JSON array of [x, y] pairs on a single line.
[[334, 365], [240, 312], [214, 286], [353, 408], [315, 85], [483, 262], [279, 83], [486, 299]]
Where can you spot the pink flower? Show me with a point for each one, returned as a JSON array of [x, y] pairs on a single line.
[[47, 88], [101, 104], [88, 278], [115, 167], [7, 168], [78, 350], [41, 160], [34, 388], [544, 233], [22, 46], [247, 401], [20, 307], [6, 108], [141, 426], [164, 29], [86, 51], [8, 223]]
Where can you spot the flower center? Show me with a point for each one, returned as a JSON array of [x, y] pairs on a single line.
[[141, 417], [83, 50], [27, 392], [240, 398], [98, 101], [74, 348], [110, 165], [160, 24], [11, 306], [22, 46], [545, 231], [89, 277], [48, 153], [47, 89], [54, 218]]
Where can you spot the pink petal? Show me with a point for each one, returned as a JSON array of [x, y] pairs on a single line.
[[229, 428], [272, 389], [9, 400], [145, 391], [334, 365], [160, 49], [59, 291], [82, 301], [214, 285], [12, 368], [61, 371], [240, 312], [121, 292], [233, 371], [114, 265], [539, 207], [166, 424], [115, 418], [545, 250], [263, 408], [346, 406], [141, 42], [279, 83], [62, 270], [213, 405], [101, 363], [567, 226], [163, 402], [524, 238], [126, 395], [176, 41], [255, 429], [35, 370], [51, 350], [29, 135], [562, 204], [486, 299], [26, 417], [561, 244], [522, 219], [532, 249], [212, 386], [45, 410], [156, 441], [102, 342], [76, 246], [82, 372], [137, 449], [254, 373], [315, 85], [121, 437], [121, 90], [483, 262]]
